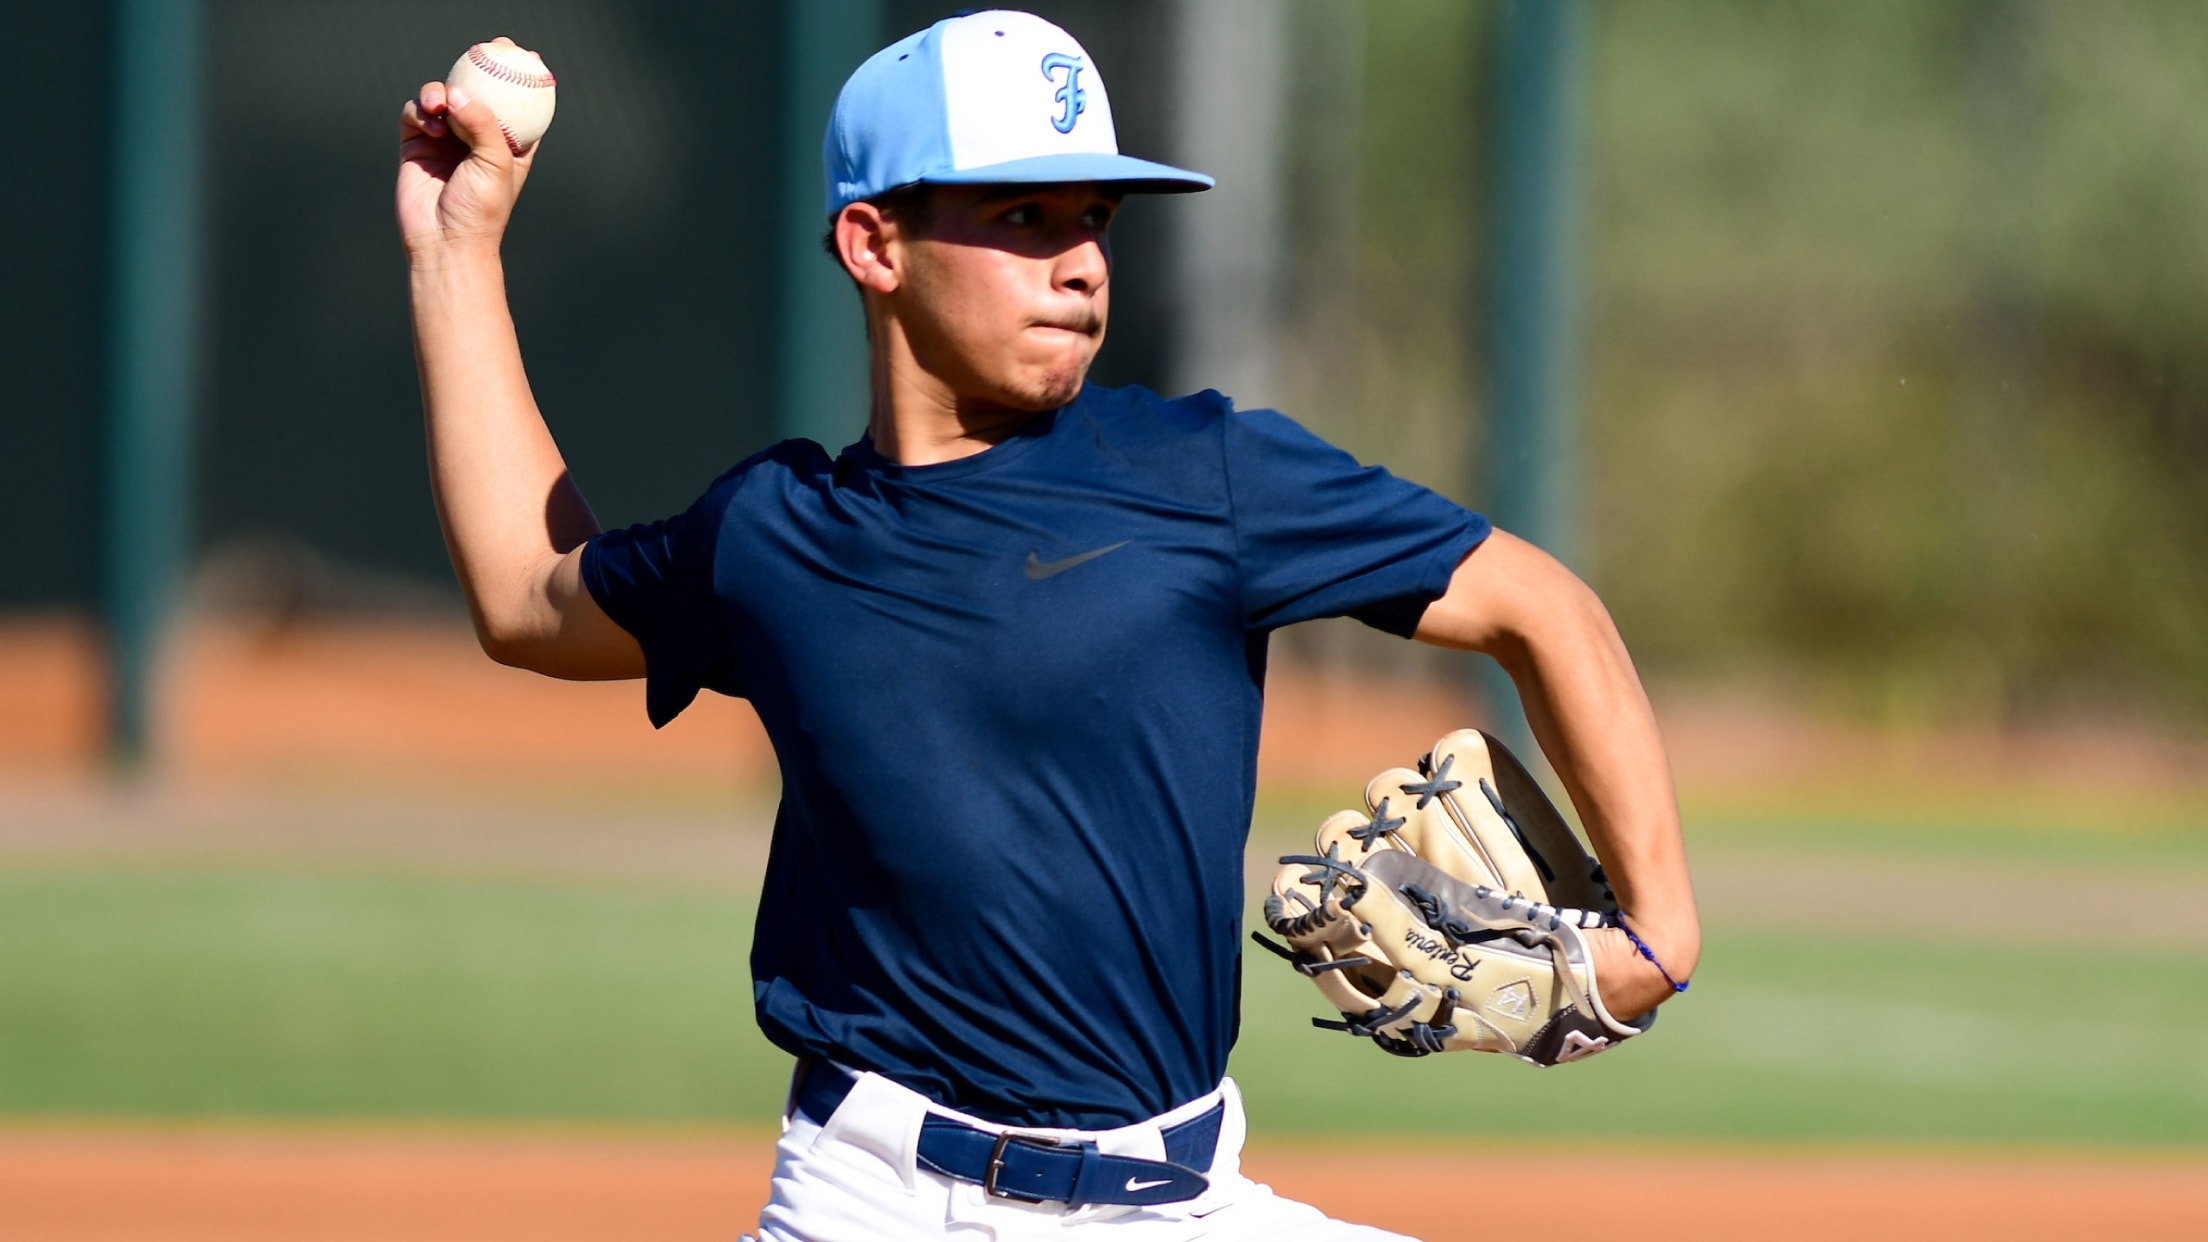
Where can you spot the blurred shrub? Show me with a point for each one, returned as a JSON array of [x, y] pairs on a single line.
[[1896, 379]]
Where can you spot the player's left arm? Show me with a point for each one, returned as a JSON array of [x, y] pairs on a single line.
[[1510, 600]]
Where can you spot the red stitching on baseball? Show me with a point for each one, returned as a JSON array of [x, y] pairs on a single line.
[[507, 73], [511, 145]]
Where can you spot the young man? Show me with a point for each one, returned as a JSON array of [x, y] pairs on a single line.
[[1009, 647]]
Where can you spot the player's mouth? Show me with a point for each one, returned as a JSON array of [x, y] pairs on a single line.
[[1085, 325]]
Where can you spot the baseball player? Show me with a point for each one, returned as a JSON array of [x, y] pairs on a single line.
[[1010, 648]]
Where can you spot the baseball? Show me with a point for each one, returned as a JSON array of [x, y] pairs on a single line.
[[514, 81]]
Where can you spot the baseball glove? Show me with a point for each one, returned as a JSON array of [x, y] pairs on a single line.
[[1449, 915]]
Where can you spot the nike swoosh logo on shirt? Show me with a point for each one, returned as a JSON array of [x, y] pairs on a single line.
[[1133, 1185], [1039, 569]]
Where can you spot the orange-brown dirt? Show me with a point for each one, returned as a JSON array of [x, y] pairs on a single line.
[[242, 700], [359, 703], [265, 1187]]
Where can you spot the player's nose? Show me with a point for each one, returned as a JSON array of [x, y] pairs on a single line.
[[1082, 267]]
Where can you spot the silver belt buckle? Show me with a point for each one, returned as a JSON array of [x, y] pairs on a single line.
[[996, 1165]]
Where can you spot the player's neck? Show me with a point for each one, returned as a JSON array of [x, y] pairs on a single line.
[[920, 419]]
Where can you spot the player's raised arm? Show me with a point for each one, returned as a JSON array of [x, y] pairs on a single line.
[[514, 522], [1512, 601]]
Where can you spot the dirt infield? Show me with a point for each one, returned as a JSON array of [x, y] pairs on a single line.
[[251, 1187], [416, 716], [417, 701]]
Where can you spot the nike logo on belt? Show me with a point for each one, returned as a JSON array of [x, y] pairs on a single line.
[[1133, 1185], [1039, 569]]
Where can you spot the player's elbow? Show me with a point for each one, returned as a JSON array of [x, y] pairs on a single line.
[[508, 638], [502, 644], [516, 623], [503, 650], [579, 644]]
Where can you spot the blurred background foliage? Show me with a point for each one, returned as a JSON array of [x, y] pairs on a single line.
[[1895, 371], [1896, 365]]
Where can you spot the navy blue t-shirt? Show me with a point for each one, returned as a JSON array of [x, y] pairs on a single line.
[[1015, 702]]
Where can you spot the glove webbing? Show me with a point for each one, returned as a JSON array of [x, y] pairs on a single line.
[[1439, 784]]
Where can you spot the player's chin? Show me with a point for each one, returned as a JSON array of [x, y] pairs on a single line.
[[1059, 388], [1051, 384]]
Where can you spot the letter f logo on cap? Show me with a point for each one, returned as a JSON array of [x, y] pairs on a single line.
[[1070, 96]]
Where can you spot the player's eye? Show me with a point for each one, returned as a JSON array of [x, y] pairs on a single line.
[[1023, 215], [1098, 217]]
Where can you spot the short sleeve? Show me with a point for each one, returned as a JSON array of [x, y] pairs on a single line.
[[1319, 535], [656, 582]]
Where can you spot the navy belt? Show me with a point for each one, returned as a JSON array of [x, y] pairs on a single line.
[[1034, 1168]]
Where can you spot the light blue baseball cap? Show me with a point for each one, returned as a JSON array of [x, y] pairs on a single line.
[[988, 98]]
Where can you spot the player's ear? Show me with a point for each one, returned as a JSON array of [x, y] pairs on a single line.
[[864, 241]]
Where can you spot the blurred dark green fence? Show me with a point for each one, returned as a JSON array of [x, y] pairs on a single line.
[[645, 265], [1894, 366]]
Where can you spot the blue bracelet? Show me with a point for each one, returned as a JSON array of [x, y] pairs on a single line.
[[1642, 945]]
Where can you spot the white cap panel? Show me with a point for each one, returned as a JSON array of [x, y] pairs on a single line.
[[1016, 87]]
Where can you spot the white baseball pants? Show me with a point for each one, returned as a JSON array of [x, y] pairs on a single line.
[[855, 1180]]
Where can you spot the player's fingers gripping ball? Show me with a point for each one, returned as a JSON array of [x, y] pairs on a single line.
[[1448, 915], [515, 83]]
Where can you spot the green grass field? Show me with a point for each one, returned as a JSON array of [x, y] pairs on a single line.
[[1822, 1013]]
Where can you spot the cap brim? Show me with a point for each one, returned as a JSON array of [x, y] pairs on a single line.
[[1137, 176]]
